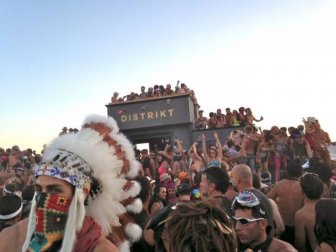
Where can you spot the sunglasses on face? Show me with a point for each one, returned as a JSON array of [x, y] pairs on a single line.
[[245, 221]]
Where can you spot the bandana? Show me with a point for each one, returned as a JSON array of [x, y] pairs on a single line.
[[51, 216]]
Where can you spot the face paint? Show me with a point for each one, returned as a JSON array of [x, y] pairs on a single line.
[[51, 216]]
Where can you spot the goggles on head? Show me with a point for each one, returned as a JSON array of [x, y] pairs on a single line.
[[247, 199]]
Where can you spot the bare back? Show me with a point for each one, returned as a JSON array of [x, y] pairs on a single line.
[[289, 196], [304, 228], [12, 238]]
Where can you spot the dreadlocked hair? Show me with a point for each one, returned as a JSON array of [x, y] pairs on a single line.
[[200, 226]]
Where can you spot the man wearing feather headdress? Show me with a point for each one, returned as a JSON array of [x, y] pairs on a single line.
[[83, 193]]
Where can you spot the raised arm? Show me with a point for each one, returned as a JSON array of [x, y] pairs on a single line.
[[179, 145], [194, 146], [166, 148], [261, 118], [219, 146], [206, 157], [308, 149]]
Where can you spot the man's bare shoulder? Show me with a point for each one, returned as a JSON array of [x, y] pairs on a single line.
[[279, 184], [273, 193], [12, 238], [288, 186], [301, 217], [305, 212], [281, 246], [301, 213]]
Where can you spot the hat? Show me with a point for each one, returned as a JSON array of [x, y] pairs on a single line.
[[266, 177], [183, 175], [257, 202], [164, 177], [311, 119], [64, 128], [100, 163], [10, 207], [9, 188], [306, 165]]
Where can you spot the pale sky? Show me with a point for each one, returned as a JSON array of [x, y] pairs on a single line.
[[62, 60]]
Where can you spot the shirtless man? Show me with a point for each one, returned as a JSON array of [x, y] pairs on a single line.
[[321, 141], [74, 206], [252, 217], [305, 239], [242, 180], [289, 196], [13, 238], [220, 119], [249, 146], [114, 98]]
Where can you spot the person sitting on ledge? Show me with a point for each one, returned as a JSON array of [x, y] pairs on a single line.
[[201, 122], [143, 92], [168, 90], [114, 98]]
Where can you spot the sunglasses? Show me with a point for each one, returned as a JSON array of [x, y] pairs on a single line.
[[245, 221]]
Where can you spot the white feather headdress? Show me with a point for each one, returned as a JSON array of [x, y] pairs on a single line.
[[101, 156]]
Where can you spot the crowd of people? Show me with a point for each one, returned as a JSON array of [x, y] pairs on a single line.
[[155, 92], [257, 190], [241, 117]]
